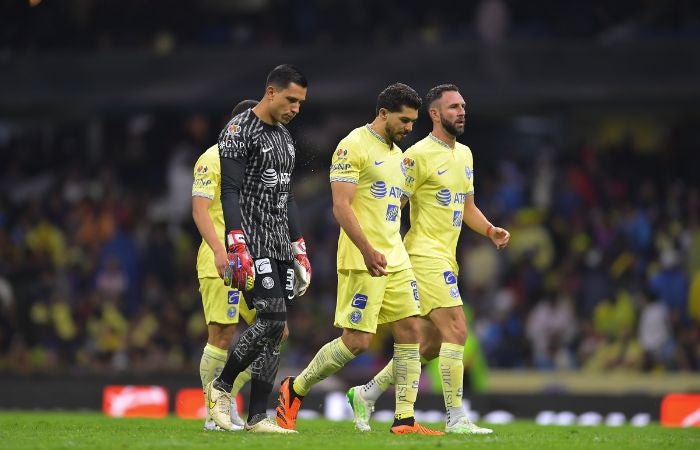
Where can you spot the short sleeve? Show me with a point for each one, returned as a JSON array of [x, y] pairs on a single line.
[[347, 162], [205, 180], [234, 142], [469, 172]]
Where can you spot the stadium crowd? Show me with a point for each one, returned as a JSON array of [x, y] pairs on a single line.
[[98, 248]]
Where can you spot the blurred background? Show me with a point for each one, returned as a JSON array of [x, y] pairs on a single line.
[[582, 118]]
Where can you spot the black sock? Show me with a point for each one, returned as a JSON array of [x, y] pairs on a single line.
[[230, 370], [222, 385], [259, 393], [405, 421]]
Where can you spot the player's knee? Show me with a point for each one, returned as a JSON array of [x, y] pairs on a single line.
[[429, 350], [456, 333], [357, 342], [273, 328]]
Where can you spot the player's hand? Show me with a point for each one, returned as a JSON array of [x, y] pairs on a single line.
[[221, 261], [239, 271], [375, 262], [302, 268], [499, 236]]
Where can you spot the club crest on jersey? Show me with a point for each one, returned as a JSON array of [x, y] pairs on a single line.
[[341, 153], [450, 277], [231, 313], [392, 212], [457, 219], [406, 165], [359, 301], [468, 172], [378, 189], [443, 197], [233, 297], [355, 316]]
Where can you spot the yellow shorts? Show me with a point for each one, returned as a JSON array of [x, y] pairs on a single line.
[[437, 289], [222, 304], [365, 301]]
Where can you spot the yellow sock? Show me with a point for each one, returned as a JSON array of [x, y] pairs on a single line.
[[240, 381], [406, 375], [327, 361], [452, 374], [385, 377], [212, 363]]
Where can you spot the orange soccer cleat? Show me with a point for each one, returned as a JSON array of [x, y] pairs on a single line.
[[416, 428], [288, 405]]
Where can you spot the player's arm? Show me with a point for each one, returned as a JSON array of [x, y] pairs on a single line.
[[239, 271], [202, 219], [343, 195], [302, 266], [476, 220]]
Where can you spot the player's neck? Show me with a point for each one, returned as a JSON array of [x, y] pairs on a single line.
[[381, 131], [263, 114], [444, 136]]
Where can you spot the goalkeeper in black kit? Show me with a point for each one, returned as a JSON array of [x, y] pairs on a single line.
[[266, 250]]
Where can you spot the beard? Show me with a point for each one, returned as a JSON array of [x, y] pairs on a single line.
[[451, 128], [394, 137]]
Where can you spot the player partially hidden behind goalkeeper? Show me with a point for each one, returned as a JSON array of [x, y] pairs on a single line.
[[257, 156], [223, 305]]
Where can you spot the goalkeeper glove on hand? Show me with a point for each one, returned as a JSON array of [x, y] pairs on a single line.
[[239, 273], [302, 268]]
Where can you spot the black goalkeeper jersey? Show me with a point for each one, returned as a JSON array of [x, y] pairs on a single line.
[[267, 153]]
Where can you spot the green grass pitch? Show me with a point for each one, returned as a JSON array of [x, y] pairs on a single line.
[[64, 430]]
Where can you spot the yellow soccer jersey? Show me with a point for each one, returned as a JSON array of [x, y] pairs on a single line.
[[207, 183], [364, 158], [437, 184]]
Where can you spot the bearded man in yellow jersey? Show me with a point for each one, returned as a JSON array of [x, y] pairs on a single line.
[[439, 180], [375, 280], [223, 305]]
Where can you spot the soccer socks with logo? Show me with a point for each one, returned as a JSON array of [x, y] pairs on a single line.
[[452, 377], [406, 375], [211, 364], [327, 361], [380, 383]]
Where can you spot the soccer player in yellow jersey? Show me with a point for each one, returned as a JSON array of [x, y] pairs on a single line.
[[375, 280], [439, 180], [222, 305]]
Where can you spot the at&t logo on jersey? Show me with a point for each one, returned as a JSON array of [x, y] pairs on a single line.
[[269, 178], [392, 212], [450, 277], [457, 219], [378, 189], [359, 301], [443, 197]]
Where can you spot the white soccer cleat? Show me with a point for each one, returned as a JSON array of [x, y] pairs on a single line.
[[235, 418], [219, 407], [466, 426], [362, 408], [267, 425], [210, 425]]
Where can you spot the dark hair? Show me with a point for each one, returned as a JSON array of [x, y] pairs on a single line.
[[284, 75], [242, 106], [396, 96], [436, 92]]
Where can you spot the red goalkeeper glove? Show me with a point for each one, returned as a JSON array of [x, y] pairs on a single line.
[[302, 268], [239, 273]]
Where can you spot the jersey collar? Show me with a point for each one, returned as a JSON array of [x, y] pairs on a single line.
[[376, 135], [439, 141]]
